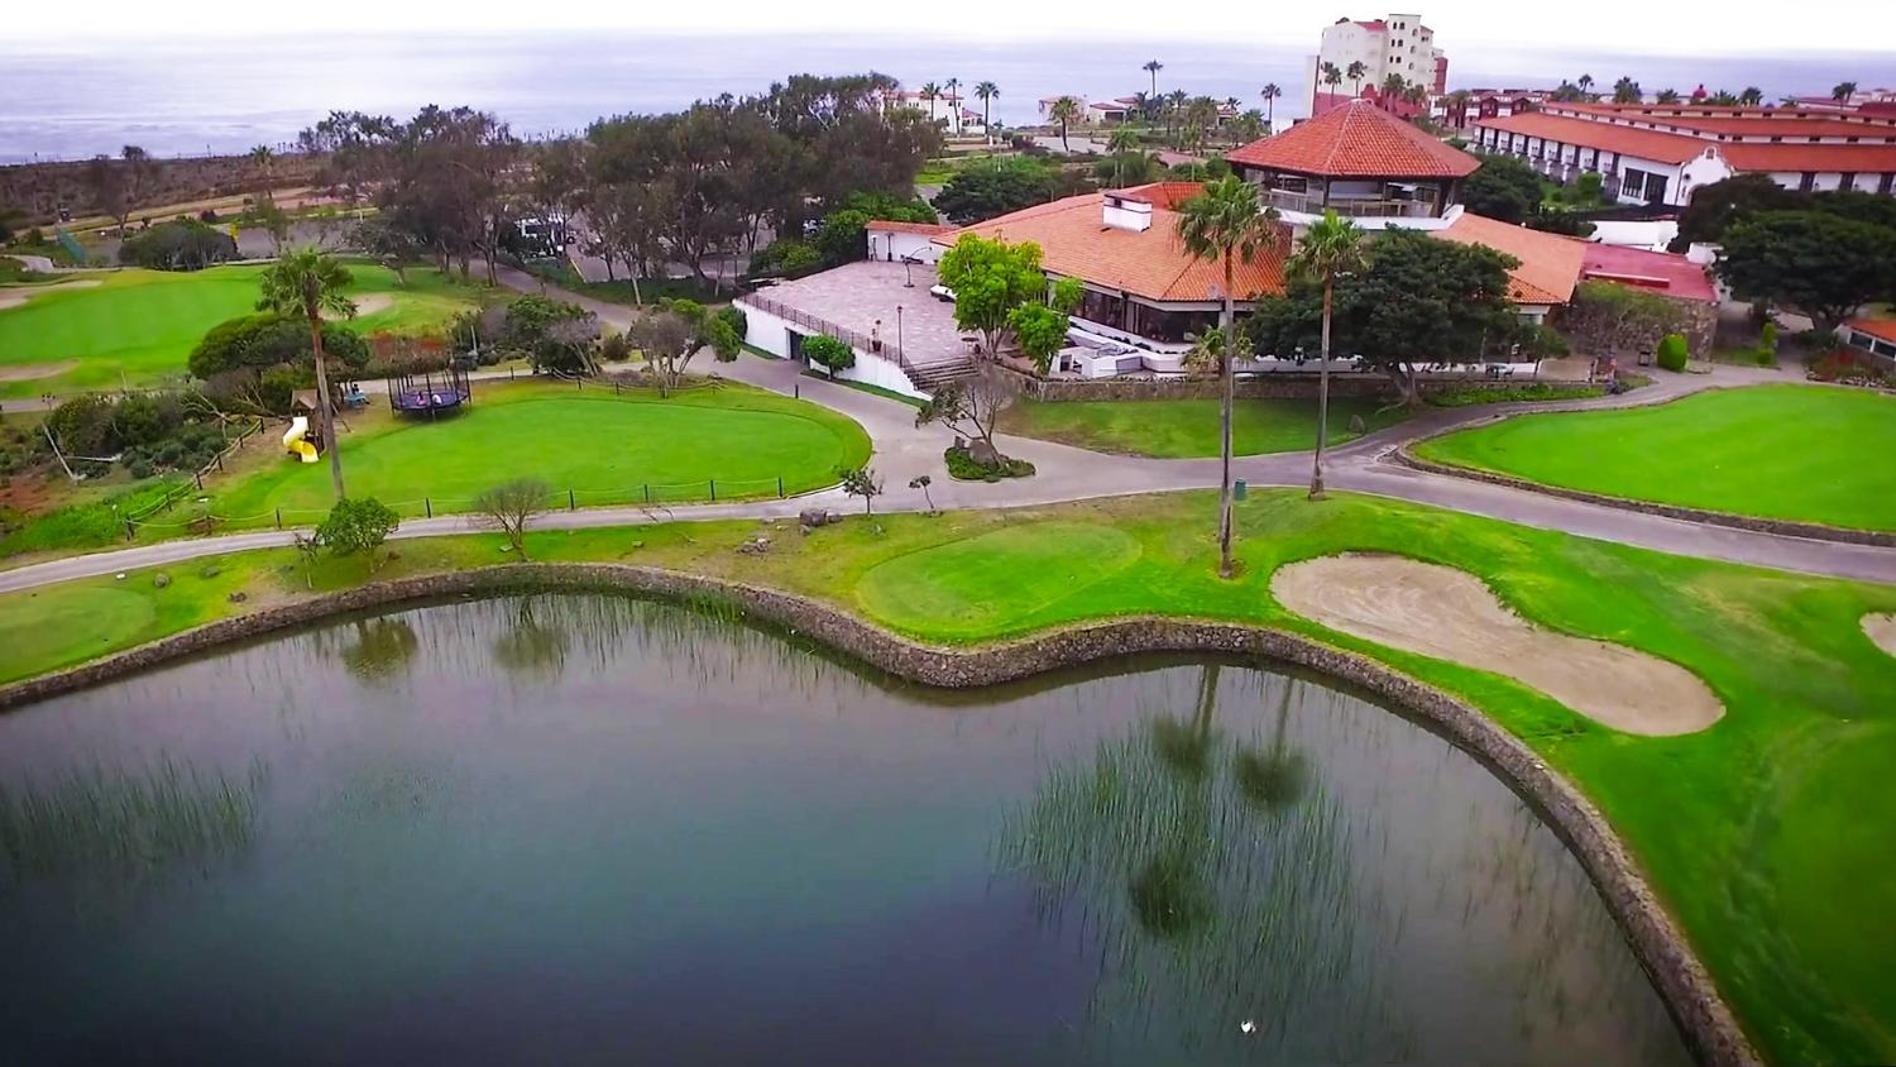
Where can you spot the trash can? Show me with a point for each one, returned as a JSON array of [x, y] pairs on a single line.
[[1237, 489]]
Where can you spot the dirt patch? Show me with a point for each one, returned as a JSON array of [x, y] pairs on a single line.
[[1449, 614], [13, 297], [369, 304], [1882, 630], [26, 372]]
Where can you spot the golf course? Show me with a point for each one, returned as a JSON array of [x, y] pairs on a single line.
[[1188, 429], [1780, 799], [607, 446], [1794, 452], [136, 327]]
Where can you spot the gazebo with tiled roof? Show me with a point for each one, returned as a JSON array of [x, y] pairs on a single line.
[[1355, 160]]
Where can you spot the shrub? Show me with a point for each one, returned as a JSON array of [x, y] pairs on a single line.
[[1672, 353], [829, 352], [182, 244], [737, 320], [615, 348], [358, 525], [962, 466], [1848, 367]]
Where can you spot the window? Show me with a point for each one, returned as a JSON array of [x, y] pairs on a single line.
[[1846, 183], [1887, 184], [1656, 188], [1633, 184], [1805, 183]]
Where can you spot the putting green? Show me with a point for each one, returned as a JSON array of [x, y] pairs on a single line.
[[605, 447], [136, 327], [1804, 453]]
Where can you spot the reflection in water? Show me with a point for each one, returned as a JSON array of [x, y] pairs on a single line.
[[660, 814], [1217, 898], [123, 826]]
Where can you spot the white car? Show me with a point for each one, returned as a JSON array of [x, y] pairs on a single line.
[[942, 292]]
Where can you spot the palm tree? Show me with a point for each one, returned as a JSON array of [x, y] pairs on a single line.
[[1226, 223], [1394, 87], [1627, 91], [265, 161], [1332, 247], [1586, 84], [305, 282], [1458, 102], [1843, 92], [986, 91], [1123, 142], [1332, 76], [931, 93], [1270, 94], [1064, 110], [1417, 94], [1152, 67], [1668, 96], [1355, 74], [1752, 96], [954, 103]]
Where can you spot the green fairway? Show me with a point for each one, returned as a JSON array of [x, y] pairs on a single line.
[[136, 327], [1184, 429], [604, 446], [1766, 835], [1779, 451]]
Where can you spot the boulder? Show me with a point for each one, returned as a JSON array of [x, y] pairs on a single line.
[[984, 453], [238, 597], [160, 580]]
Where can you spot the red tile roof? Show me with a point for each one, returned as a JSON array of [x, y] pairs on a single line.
[[1168, 195], [1853, 158], [1881, 329], [1675, 276], [926, 229], [1075, 242], [1360, 140], [1646, 144], [1550, 264]]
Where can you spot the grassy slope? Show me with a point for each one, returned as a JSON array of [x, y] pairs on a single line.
[[1176, 429], [603, 445], [1766, 834], [142, 324], [1780, 451]]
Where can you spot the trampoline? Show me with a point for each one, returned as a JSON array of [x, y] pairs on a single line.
[[430, 393]]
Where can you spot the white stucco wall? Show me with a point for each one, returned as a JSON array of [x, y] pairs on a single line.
[[772, 334], [889, 246]]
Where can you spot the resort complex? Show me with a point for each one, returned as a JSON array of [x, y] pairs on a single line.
[[879, 572]]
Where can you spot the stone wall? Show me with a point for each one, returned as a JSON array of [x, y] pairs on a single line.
[[1709, 1028], [1271, 386]]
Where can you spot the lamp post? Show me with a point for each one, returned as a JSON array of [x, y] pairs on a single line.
[[898, 333]]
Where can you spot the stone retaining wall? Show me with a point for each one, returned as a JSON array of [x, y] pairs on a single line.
[[1273, 386], [1709, 1028], [1782, 527]]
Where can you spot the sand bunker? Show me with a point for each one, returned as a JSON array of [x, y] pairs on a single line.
[[26, 372], [369, 304], [1882, 630], [14, 297], [1451, 615]]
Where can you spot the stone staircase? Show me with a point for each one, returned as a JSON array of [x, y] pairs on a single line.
[[929, 375]]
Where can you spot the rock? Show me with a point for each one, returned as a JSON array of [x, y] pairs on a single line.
[[211, 570], [813, 517], [160, 580], [238, 597], [755, 547], [984, 453], [1357, 425]]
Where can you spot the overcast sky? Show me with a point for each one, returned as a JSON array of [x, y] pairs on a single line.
[[1671, 26]]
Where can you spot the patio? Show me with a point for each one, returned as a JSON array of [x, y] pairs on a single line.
[[880, 300]]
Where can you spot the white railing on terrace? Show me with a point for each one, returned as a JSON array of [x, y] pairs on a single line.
[[1311, 204], [886, 349]]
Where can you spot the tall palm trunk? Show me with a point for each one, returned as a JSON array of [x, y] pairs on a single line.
[[323, 408], [1224, 425], [1323, 394]]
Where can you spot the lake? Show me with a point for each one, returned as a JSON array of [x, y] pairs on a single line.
[[593, 829]]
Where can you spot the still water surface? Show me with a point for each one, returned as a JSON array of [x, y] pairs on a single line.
[[585, 829]]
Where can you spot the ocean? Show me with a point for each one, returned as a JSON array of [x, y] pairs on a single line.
[[225, 95]]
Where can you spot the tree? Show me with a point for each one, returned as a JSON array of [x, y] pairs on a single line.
[[1627, 91], [1752, 96], [180, 244], [862, 482], [1503, 187], [1064, 111], [1270, 94], [828, 352], [953, 98], [304, 282], [990, 278], [1672, 353], [358, 526], [1715, 207], [1619, 319], [1585, 84], [1332, 76], [1417, 301], [395, 246], [1040, 329], [931, 93], [922, 482], [1226, 224], [264, 159], [1394, 87], [1819, 264], [234, 355], [986, 92], [1843, 92], [995, 186], [1332, 248], [1355, 73], [970, 406], [1153, 66], [1667, 96], [510, 506]]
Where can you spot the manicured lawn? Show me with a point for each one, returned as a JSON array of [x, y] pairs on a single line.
[[137, 326], [1181, 429], [1766, 834], [605, 446], [1779, 451]]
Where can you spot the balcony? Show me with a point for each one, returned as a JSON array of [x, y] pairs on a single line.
[[1356, 207]]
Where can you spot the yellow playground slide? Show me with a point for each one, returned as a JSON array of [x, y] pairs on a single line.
[[293, 439]]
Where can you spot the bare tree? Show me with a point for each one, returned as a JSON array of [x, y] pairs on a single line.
[[510, 506], [969, 406], [862, 482], [667, 340]]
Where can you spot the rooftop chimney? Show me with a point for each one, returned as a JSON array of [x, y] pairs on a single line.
[[1122, 213]]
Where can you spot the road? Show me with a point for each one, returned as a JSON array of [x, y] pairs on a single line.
[[904, 451]]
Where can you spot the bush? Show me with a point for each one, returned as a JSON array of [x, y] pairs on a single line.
[[734, 316], [615, 348], [1672, 353], [829, 352], [182, 244], [1850, 368], [964, 467]]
